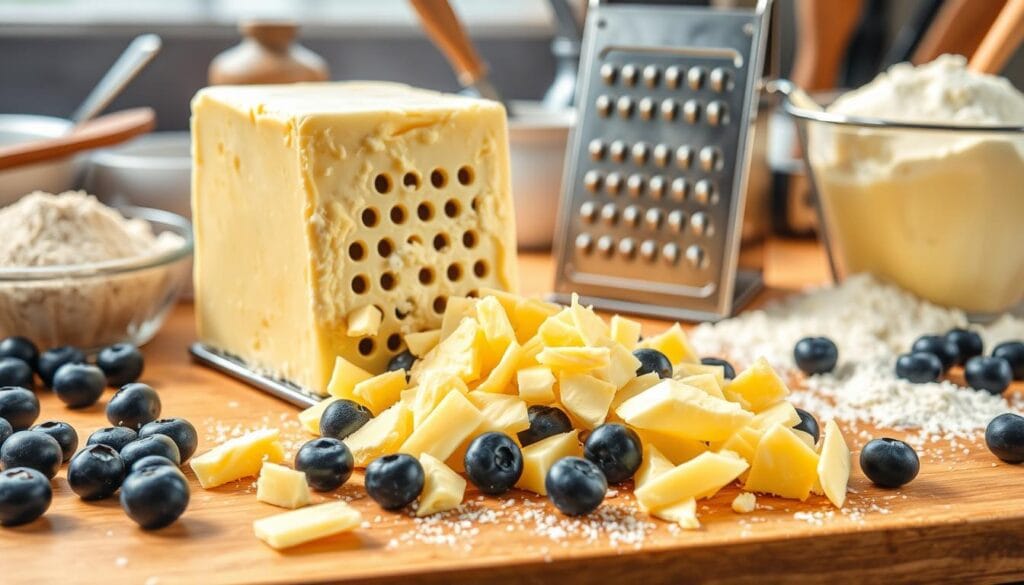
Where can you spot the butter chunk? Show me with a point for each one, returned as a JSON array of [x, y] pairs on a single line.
[[634, 387], [700, 477], [625, 331], [783, 465], [706, 382], [558, 332], [536, 385], [309, 419], [499, 380], [281, 486], [505, 413], [684, 514], [380, 392], [457, 309], [586, 398], [441, 433], [421, 343], [676, 449], [652, 465], [381, 435], [674, 344], [684, 411], [345, 377], [834, 464], [592, 329], [528, 316], [364, 321], [782, 413], [540, 456], [237, 458], [757, 387], [457, 354], [574, 359], [686, 369], [621, 368], [744, 503], [302, 215], [297, 527], [495, 324], [443, 489]]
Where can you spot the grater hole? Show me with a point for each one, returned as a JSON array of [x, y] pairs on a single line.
[[414, 240], [438, 178], [454, 272], [466, 175], [366, 346], [370, 217], [473, 294], [388, 281], [469, 239], [439, 304], [452, 208], [480, 268], [359, 284], [382, 183], [398, 214], [357, 251], [425, 211], [426, 275], [411, 180], [394, 342], [441, 242], [385, 247]]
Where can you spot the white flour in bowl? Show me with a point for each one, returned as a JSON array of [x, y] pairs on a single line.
[[872, 323], [73, 228]]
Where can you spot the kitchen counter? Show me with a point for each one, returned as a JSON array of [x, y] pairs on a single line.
[[962, 519]]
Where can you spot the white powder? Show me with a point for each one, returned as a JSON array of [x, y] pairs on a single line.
[[871, 324], [72, 229]]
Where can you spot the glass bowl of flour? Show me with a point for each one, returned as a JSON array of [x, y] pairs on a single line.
[[920, 181], [76, 272]]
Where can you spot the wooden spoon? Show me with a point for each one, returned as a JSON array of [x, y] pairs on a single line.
[[958, 28], [102, 131], [1002, 39]]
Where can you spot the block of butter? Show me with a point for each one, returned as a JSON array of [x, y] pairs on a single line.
[[296, 527], [314, 202], [237, 458]]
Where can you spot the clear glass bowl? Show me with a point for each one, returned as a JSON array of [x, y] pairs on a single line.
[[94, 305], [937, 210]]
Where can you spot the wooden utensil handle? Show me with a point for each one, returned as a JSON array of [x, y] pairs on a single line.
[[103, 131], [1002, 39], [443, 27]]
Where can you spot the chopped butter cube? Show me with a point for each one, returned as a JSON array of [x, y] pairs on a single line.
[[431, 391], [364, 321], [757, 387], [293, 528], [443, 489], [625, 331], [454, 419], [677, 449], [456, 309], [574, 359], [781, 412], [674, 344], [421, 343], [783, 465], [634, 387], [500, 378], [621, 368], [673, 407], [237, 458], [700, 477], [592, 329], [705, 382], [558, 332], [684, 514], [504, 413], [309, 419], [528, 316], [586, 398], [652, 465], [508, 300], [744, 503], [380, 392], [345, 377], [495, 324], [834, 464], [281, 486], [536, 385], [687, 369], [540, 456], [381, 435], [458, 354]]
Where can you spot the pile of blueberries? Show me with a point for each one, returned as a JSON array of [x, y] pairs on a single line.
[[139, 455], [931, 356]]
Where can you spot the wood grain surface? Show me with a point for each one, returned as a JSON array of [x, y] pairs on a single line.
[[961, 520]]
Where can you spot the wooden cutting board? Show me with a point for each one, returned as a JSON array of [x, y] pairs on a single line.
[[962, 519]]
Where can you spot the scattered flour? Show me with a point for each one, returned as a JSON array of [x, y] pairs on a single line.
[[871, 323]]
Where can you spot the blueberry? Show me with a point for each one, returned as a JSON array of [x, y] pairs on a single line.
[[545, 421], [815, 355], [79, 385], [575, 486], [19, 406], [616, 450], [730, 372], [944, 348], [968, 344], [919, 367], [652, 360], [154, 497], [21, 348], [1004, 436], [1013, 353], [34, 450], [178, 430], [327, 463], [992, 374], [808, 424], [63, 433], [133, 406], [402, 361], [342, 418], [494, 463], [6, 430], [151, 461], [14, 372], [114, 437], [96, 472], [25, 494], [52, 359], [394, 481], [889, 463], [161, 445], [121, 363]]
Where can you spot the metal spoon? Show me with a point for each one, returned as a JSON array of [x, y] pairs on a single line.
[[135, 57]]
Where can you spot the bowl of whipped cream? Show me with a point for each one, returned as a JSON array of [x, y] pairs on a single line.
[[919, 177]]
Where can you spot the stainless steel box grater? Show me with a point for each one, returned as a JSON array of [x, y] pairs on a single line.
[[655, 177]]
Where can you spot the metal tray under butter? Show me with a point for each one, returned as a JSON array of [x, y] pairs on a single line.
[[653, 197], [238, 369]]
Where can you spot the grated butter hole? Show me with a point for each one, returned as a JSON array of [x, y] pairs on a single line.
[[452, 208], [438, 178], [385, 247], [370, 217], [398, 215], [360, 284], [394, 342], [426, 276], [411, 180], [469, 239], [382, 183], [441, 242], [439, 304], [388, 281], [454, 272], [480, 268], [425, 211], [366, 346], [466, 175], [357, 251]]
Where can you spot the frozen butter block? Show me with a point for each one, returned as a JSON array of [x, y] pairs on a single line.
[[536, 385], [345, 377], [380, 392], [700, 477], [237, 458], [443, 489], [309, 419], [757, 387], [674, 344], [454, 420], [586, 398], [540, 456], [684, 514], [281, 486], [311, 201], [293, 528], [783, 465], [684, 411], [382, 435], [834, 464]]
